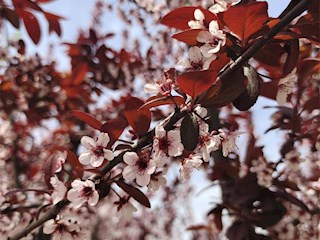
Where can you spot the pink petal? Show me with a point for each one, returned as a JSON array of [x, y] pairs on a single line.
[[130, 158], [87, 142], [96, 161], [129, 173], [103, 139], [93, 200], [85, 157], [108, 154], [143, 180]]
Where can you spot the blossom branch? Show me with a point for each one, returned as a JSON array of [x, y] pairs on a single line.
[[251, 51], [148, 138], [52, 213]]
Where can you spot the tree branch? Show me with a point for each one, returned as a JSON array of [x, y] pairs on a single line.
[[251, 51], [238, 63], [52, 213]]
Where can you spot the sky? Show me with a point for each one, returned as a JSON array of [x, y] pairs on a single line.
[[77, 16]]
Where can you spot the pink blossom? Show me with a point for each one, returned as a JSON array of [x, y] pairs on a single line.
[[198, 22], [228, 141], [188, 164], [96, 151], [140, 167], [59, 189], [61, 229], [165, 145], [59, 158], [213, 40], [222, 5], [285, 87], [125, 207], [197, 60], [208, 142], [157, 180], [82, 192], [162, 87]]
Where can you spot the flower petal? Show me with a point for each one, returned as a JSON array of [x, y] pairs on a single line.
[[93, 200], [108, 154], [129, 173], [130, 158], [103, 140], [143, 180], [85, 157], [88, 142]]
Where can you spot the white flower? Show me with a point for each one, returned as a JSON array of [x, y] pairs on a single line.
[[197, 60], [125, 208], [96, 150], [213, 40], [208, 142], [59, 158], [285, 87], [163, 87], [165, 145], [61, 229], [188, 164], [81, 192], [59, 189], [228, 141], [222, 5], [198, 22], [157, 180], [140, 167]]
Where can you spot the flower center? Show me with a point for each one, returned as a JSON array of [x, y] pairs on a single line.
[[87, 192], [98, 151], [142, 164], [61, 228], [197, 65], [164, 144]]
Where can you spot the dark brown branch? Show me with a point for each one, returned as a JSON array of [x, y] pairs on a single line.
[[238, 63], [52, 213], [250, 52]]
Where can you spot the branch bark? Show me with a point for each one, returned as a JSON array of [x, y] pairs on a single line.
[[237, 64]]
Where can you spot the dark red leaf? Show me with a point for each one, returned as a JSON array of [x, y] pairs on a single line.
[[72, 159], [139, 120], [135, 193], [250, 95], [308, 27], [189, 132], [196, 82], [189, 36], [79, 73], [237, 231], [231, 88], [54, 24], [87, 118], [293, 56], [11, 16], [292, 199], [31, 23], [157, 101], [179, 18], [244, 20], [269, 90], [26, 4], [285, 184], [114, 128], [217, 216], [199, 227]]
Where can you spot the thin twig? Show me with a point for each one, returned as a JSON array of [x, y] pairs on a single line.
[[52, 213], [239, 62]]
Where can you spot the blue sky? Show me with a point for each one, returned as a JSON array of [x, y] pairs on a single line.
[[78, 16]]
